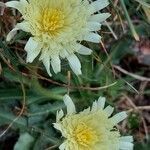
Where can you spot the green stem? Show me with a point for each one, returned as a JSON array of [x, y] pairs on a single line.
[[44, 91], [134, 33]]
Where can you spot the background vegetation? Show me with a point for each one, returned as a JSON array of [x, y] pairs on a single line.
[[118, 69]]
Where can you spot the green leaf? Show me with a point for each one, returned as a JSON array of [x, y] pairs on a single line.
[[121, 49], [134, 121], [7, 118], [25, 142], [14, 77], [142, 145], [144, 3]]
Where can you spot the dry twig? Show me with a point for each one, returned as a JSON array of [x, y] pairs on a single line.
[[141, 78]]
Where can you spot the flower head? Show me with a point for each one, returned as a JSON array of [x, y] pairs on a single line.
[[57, 28], [91, 129]]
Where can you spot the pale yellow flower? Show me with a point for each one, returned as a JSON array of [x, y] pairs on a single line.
[[57, 28], [92, 129]]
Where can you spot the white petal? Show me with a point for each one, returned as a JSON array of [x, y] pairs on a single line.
[[11, 34], [64, 53], [94, 106], [44, 52], [126, 138], [56, 64], [119, 117], [57, 126], [2, 4], [17, 5], [74, 64], [84, 50], [25, 26], [32, 48], [46, 62], [92, 37], [101, 102], [99, 17], [94, 26], [23, 2], [126, 146], [62, 146], [109, 110], [2, 8], [59, 115], [13, 4], [99, 4], [69, 104]]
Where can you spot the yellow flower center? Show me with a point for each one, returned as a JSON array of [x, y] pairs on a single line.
[[85, 136], [51, 20]]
